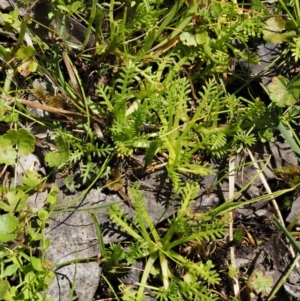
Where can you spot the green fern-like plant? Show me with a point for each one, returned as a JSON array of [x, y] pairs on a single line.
[[128, 114], [70, 150], [161, 250], [151, 91]]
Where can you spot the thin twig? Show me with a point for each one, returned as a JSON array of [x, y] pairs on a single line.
[[235, 282], [54, 110], [269, 191], [72, 75]]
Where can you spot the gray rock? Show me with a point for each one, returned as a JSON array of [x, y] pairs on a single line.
[[295, 211], [73, 235]]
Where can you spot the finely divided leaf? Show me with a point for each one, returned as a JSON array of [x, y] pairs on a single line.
[[260, 283]]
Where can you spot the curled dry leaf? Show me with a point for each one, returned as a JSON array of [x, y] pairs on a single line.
[[115, 183]]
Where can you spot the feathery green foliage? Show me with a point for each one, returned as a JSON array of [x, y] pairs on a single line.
[[162, 248]]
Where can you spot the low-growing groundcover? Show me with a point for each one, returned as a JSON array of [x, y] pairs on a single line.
[[96, 89]]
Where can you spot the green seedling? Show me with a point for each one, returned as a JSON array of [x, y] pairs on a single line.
[[160, 251]]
